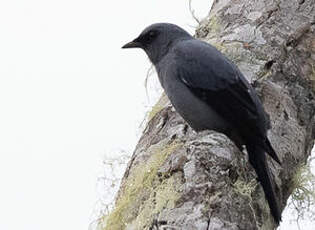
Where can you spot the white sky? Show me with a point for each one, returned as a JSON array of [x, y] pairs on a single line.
[[69, 95]]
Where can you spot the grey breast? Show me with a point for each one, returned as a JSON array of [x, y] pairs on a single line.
[[195, 112]]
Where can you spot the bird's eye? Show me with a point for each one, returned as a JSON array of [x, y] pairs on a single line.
[[151, 35]]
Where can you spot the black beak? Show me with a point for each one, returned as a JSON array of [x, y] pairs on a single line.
[[132, 44]]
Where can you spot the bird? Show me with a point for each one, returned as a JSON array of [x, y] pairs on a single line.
[[210, 93]]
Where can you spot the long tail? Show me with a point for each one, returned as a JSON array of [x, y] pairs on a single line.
[[257, 158], [271, 151]]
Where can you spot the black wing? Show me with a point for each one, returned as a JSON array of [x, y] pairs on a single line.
[[218, 82]]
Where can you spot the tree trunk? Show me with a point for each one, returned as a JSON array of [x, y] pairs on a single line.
[[179, 179]]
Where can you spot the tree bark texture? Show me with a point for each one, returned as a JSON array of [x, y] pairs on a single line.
[[180, 179]]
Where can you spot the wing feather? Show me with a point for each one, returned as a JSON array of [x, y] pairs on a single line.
[[218, 82]]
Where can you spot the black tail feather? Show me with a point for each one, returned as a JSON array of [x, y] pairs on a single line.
[[257, 158], [271, 151]]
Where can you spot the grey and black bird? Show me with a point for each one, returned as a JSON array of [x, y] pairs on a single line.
[[211, 93]]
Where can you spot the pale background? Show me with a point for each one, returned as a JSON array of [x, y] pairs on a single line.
[[68, 97]]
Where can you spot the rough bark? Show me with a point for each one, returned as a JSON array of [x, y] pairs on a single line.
[[179, 179]]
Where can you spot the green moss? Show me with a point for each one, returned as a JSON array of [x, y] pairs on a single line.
[[138, 190]]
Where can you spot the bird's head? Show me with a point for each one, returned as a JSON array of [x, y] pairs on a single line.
[[157, 39]]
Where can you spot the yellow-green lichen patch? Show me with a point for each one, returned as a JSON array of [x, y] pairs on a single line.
[[219, 46], [164, 196], [214, 25], [245, 188], [162, 102], [232, 50], [264, 74], [138, 187]]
